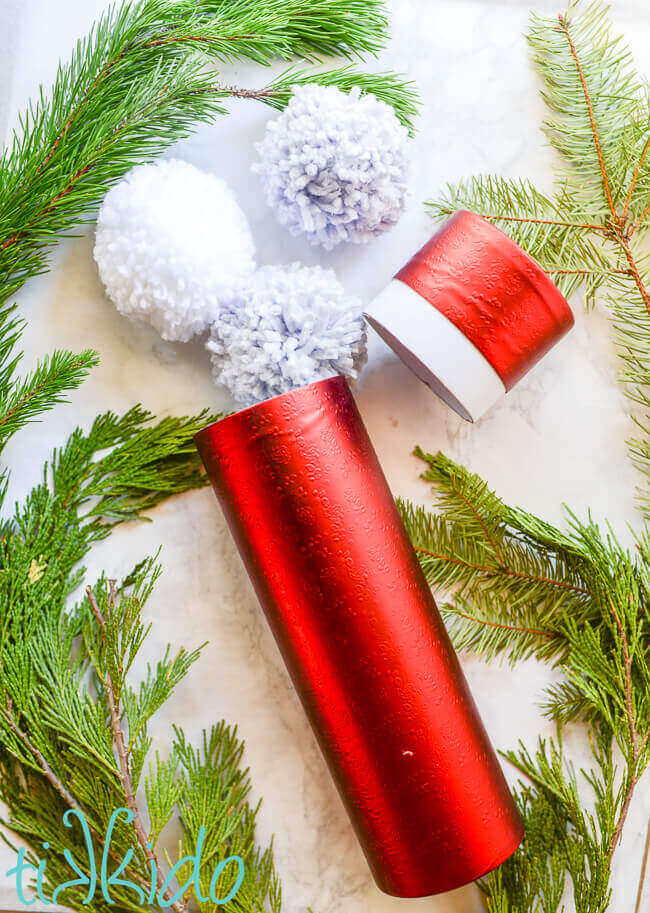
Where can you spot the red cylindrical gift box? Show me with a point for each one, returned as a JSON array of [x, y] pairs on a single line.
[[343, 591]]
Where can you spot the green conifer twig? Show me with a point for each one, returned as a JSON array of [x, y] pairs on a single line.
[[588, 232], [518, 587]]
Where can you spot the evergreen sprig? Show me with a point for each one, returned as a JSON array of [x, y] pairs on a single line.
[[143, 78], [589, 232], [74, 735], [23, 399], [73, 723], [519, 587]]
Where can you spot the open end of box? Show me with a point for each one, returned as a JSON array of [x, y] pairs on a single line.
[[419, 369]]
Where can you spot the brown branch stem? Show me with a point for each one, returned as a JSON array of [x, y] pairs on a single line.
[[592, 117], [38, 756], [238, 92], [617, 221], [627, 665], [638, 222], [56, 783], [197, 39], [622, 818], [503, 570], [125, 776], [644, 872], [636, 275], [635, 177], [585, 272], [559, 224], [504, 627]]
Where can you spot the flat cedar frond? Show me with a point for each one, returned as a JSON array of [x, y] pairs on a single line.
[[116, 472], [563, 842], [518, 587], [588, 233], [67, 749], [214, 792]]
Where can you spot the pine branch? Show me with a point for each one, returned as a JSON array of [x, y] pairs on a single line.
[[393, 89], [587, 233], [309, 30], [23, 399], [513, 581], [555, 231], [142, 80], [42, 389], [519, 587]]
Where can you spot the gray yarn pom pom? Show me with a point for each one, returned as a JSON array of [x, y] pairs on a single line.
[[288, 326], [333, 165]]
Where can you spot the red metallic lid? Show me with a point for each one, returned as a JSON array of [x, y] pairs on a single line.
[[492, 291]]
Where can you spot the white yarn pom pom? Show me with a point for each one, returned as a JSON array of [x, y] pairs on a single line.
[[333, 165], [289, 326], [171, 245]]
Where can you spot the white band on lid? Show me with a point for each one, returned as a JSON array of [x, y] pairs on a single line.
[[435, 350]]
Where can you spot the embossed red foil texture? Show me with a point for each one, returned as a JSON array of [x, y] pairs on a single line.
[[492, 291], [344, 594]]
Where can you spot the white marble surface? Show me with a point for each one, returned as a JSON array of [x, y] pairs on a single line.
[[557, 438]]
